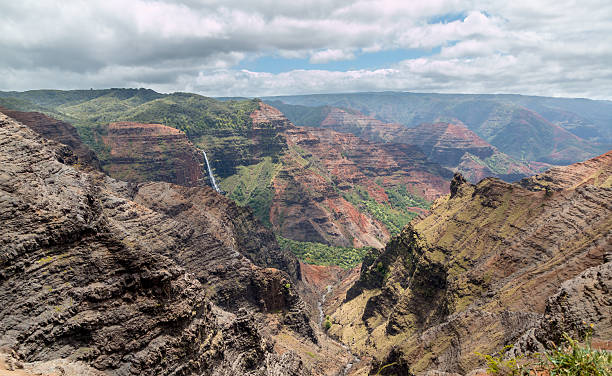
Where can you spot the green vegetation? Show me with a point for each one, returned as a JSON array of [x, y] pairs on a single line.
[[400, 198], [252, 186], [323, 254], [327, 324], [571, 358], [88, 110], [393, 215], [497, 365]]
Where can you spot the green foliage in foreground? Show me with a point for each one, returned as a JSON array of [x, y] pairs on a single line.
[[571, 358], [323, 254]]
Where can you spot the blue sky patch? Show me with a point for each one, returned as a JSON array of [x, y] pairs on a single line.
[[370, 60]]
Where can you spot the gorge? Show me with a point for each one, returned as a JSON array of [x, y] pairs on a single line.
[[120, 256]]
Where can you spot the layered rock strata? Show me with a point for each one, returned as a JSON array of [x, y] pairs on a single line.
[[59, 131], [152, 152], [476, 274], [93, 270]]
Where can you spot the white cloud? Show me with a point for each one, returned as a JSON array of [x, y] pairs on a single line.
[[534, 47], [325, 56]]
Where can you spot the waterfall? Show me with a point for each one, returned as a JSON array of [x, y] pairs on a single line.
[[210, 173]]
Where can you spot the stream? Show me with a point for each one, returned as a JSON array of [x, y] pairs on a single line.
[[355, 359]]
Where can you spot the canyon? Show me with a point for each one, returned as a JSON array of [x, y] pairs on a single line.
[[117, 256], [494, 264], [100, 275]]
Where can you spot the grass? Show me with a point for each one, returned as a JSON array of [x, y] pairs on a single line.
[[90, 110], [394, 214], [323, 254], [252, 186]]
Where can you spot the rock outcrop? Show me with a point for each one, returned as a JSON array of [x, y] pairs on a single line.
[[139, 279], [152, 152], [580, 302], [596, 171], [476, 274], [59, 131]]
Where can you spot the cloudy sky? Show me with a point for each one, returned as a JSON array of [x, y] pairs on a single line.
[[279, 47]]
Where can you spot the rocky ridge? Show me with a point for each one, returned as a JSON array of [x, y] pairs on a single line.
[[59, 131], [493, 264], [596, 171], [96, 271], [453, 146]]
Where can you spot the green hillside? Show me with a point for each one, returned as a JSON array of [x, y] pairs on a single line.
[[88, 110]]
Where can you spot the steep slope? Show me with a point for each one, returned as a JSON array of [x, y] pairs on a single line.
[[450, 145], [152, 152], [178, 281], [476, 274], [596, 171], [330, 187], [58, 131], [510, 123]]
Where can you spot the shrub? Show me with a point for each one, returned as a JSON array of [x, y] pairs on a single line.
[[327, 324], [497, 365], [571, 358]]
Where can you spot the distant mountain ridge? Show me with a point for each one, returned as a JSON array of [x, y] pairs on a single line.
[[550, 130], [451, 145]]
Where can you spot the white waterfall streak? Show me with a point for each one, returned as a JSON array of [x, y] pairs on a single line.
[[210, 173]]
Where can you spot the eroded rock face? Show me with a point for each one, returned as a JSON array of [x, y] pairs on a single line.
[[451, 145], [580, 302], [477, 272], [87, 274], [322, 165], [152, 152], [59, 131], [596, 171]]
